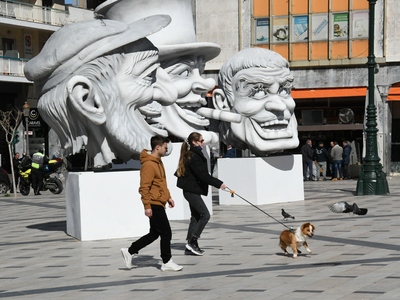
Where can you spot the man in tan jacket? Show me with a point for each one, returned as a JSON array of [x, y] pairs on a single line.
[[155, 195]]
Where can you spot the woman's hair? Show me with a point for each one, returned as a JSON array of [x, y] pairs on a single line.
[[185, 156]]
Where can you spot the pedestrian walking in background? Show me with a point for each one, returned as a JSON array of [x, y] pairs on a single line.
[[307, 154], [194, 179], [346, 159], [321, 159], [155, 195], [337, 153], [16, 163]]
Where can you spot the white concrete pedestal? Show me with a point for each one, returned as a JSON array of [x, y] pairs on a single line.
[[262, 180], [107, 205]]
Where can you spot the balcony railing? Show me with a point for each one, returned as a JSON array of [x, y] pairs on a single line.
[[33, 13], [12, 66]]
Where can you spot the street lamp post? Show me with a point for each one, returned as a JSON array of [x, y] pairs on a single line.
[[26, 110], [372, 180]]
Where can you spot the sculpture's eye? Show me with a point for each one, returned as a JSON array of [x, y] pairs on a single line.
[[185, 73], [258, 91], [283, 91]]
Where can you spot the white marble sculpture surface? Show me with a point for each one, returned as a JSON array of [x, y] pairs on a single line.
[[181, 56], [92, 77], [254, 102]]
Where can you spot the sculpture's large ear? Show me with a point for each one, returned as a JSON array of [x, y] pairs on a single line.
[[85, 99], [220, 101]]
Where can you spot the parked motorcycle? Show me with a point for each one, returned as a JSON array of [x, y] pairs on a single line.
[[51, 183]]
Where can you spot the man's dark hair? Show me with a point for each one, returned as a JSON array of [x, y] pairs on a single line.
[[158, 140]]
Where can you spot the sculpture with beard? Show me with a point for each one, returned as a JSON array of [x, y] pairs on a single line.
[[91, 92], [182, 57]]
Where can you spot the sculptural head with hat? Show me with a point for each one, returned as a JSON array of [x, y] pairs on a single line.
[[181, 56], [92, 77]]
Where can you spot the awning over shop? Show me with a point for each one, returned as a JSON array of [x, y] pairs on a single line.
[[394, 93], [330, 93]]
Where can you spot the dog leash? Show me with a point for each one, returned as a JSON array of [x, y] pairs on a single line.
[[234, 193]]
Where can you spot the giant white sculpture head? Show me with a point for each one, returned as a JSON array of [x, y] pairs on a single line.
[[181, 56], [255, 95], [92, 77]]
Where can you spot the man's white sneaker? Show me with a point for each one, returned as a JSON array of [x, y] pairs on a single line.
[[171, 266], [127, 258]]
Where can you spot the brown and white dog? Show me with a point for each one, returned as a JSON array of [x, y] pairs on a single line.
[[297, 238]]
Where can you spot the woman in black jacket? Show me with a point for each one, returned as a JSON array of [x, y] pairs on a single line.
[[194, 179]]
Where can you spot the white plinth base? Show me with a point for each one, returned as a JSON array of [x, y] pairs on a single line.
[[107, 205], [104, 205], [262, 180]]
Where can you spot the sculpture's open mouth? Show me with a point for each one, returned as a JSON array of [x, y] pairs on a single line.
[[274, 125], [187, 106], [150, 113], [184, 108], [275, 129]]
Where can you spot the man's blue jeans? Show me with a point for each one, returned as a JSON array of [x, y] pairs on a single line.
[[308, 166], [337, 169]]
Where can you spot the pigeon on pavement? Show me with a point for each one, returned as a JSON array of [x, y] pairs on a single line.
[[286, 215], [344, 207]]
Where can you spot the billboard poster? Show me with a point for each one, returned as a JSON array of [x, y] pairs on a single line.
[[280, 30], [262, 31], [299, 29], [360, 24], [340, 26], [319, 29]]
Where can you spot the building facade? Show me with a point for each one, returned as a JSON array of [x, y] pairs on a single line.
[[25, 26], [325, 41], [326, 44]]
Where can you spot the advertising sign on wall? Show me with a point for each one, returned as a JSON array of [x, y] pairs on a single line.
[[262, 31], [280, 30], [319, 27], [360, 24], [300, 28], [340, 26]]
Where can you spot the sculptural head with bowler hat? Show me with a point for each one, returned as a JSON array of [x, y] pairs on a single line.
[[181, 56], [92, 77]]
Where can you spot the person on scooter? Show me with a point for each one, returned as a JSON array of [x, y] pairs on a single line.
[[38, 159]]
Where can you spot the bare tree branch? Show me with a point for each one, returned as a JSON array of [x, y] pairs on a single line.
[[9, 121]]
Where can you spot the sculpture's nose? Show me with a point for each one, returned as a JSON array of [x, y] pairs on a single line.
[[200, 84], [274, 103]]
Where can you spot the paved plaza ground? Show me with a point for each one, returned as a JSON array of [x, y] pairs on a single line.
[[354, 257]]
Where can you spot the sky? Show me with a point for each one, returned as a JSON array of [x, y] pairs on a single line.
[[68, 1]]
